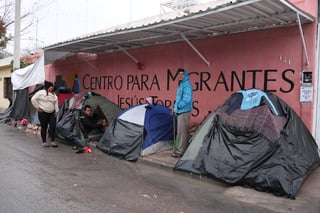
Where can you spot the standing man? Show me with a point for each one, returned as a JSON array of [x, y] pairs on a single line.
[[182, 109]]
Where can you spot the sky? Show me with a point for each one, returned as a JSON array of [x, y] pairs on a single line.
[[56, 21]]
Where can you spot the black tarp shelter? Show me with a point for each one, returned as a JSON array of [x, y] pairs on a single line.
[[266, 146], [68, 119]]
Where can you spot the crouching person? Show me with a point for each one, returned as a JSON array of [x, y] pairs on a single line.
[[92, 127]]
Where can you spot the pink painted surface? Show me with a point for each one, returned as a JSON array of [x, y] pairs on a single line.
[[310, 6], [270, 60]]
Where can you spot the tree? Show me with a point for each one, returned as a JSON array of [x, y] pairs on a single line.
[[5, 20], [7, 8]]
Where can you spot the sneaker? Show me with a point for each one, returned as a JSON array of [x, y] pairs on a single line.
[[176, 155], [54, 144], [85, 149], [75, 148], [93, 143], [80, 150], [45, 144]]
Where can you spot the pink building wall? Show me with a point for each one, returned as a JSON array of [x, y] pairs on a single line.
[[309, 6], [271, 60]]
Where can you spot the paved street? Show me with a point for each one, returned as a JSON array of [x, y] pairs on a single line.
[[36, 179]]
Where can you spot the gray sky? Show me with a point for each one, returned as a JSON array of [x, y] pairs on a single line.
[[60, 20]]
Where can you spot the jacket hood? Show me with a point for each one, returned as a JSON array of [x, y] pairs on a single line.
[[185, 76]]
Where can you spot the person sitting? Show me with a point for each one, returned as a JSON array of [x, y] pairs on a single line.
[[93, 128], [91, 125]]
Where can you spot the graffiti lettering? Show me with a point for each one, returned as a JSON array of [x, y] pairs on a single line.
[[102, 82], [235, 78], [234, 81], [142, 82], [127, 102], [286, 79], [270, 80], [202, 81], [221, 80]]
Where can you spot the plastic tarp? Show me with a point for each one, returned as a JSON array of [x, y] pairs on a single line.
[[22, 107], [29, 75], [21, 80], [254, 147], [68, 120], [123, 139], [158, 125]]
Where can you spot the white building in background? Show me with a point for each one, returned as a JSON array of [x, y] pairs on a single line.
[[5, 82]]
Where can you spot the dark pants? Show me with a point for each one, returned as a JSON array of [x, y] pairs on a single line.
[[45, 120]]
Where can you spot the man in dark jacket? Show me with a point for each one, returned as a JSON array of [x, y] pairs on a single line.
[[91, 125]]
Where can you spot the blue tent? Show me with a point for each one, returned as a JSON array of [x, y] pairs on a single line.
[[139, 130]]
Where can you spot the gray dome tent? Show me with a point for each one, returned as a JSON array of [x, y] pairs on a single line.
[[266, 146], [140, 130], [68, 119]]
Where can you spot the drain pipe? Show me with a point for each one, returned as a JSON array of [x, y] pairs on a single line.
[[303, 42]]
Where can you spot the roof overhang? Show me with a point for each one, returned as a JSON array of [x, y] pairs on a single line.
[[217, 18]]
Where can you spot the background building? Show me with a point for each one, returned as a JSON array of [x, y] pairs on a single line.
[[226, 46], [5, 82]]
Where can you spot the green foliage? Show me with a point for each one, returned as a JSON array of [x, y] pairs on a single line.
[[3, 35], [23, 63], [6, 19]]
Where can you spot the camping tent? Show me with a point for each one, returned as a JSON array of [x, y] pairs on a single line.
[[68, 119], [22, 107], [253, 139], [140, 130], [22, 79]]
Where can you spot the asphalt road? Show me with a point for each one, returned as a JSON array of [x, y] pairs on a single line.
[[37, 179]]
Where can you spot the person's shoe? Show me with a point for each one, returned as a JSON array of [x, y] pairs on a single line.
[[85, 149], [75, 148], [45, 144], [80, 150], [54, 144], [176, 155], [93, 143]]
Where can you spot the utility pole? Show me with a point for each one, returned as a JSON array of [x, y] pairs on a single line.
[[16, 54]]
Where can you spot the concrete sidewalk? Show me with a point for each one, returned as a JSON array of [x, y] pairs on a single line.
[[162, 159], [307, 199]]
